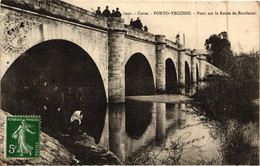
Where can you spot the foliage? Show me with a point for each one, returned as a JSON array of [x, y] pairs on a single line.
[[238, 148], [233, 97], [230, 104], [219, 50]]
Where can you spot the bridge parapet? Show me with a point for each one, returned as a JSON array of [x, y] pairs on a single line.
[[139, 34], [171, 44], [116, 24], [188, 52], [59, 9], [192, 53], [212, 70], [201, 56]]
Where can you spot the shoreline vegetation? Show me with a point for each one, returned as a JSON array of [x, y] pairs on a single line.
[[231, 105]]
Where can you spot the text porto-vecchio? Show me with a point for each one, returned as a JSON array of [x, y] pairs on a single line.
[[172, 13]]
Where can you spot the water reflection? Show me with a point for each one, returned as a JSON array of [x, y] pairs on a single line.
[[179, 135], [122, 142], [160, 123], [181, 116], [159, 133], [138, 117], [117, 130], [169, 123]]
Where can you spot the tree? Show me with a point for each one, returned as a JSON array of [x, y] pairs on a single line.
[[219, 50]]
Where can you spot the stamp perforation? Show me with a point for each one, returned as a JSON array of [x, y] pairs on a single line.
[[23, 148]]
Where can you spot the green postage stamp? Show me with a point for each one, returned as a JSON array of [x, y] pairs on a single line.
[[22, 137]]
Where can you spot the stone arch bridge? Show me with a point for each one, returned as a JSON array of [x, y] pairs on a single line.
[[127, 61]]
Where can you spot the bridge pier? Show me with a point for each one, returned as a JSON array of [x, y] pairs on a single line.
[[116, 54], [193, 67], [181, 67], [201, 67], [160, 63]]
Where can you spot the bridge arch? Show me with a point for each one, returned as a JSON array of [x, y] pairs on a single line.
[[139, 79], [170, 76], [60, 31], [53, 79], [147, 50]]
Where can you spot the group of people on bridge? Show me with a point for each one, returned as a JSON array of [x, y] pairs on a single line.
[[107, 13], [138, 24], [116, 13]]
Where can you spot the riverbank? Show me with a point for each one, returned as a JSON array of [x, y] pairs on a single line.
[[62, 151], [232, 109]]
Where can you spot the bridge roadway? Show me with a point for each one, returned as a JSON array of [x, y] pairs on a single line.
[[117, 50]]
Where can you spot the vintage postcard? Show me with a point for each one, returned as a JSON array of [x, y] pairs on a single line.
[[120, 82]]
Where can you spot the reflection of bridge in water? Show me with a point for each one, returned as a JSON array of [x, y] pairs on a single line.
[[161, 117], [93, 60]]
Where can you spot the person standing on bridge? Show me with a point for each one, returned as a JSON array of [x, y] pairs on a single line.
[[145, 28], [106, 12], [112, 14], [117, 13], [138, 23], [98, 11], [132, 22]]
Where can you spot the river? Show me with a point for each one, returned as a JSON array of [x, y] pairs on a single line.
[[159, 130], [141, 132]]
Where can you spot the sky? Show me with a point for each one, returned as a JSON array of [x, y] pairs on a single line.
[[243, 29]]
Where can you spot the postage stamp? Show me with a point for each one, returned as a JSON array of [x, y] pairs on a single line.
[[22, 137]]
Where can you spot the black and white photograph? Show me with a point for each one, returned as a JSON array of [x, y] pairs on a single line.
[[121, 82]]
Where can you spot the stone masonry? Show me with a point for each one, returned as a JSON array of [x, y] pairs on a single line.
[[110, 43]]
